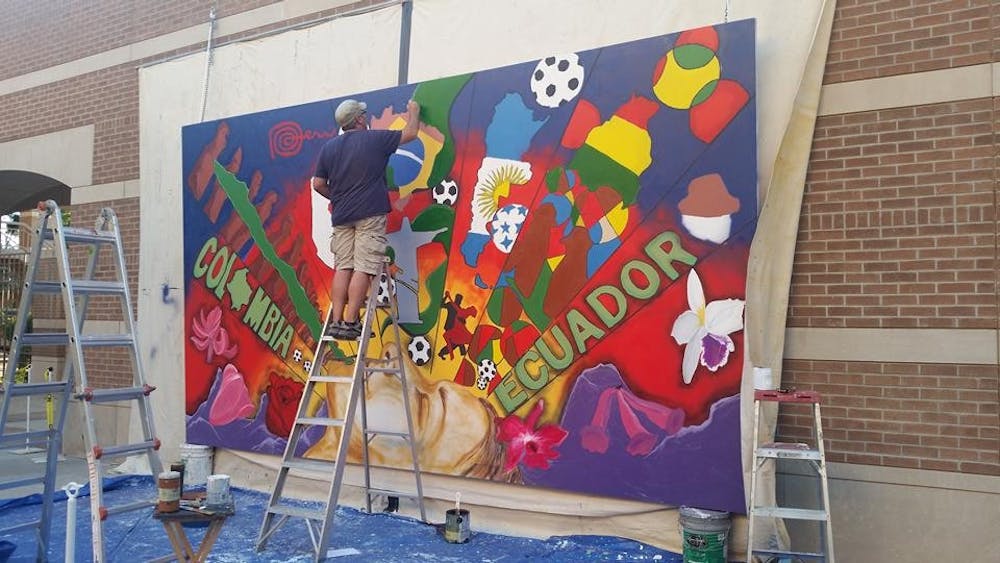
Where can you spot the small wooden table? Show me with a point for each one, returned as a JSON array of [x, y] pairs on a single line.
[[189, 515]]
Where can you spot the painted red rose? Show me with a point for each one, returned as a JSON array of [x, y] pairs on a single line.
[[283, 396]]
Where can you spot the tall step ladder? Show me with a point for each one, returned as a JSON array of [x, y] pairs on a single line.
[[813, 454], [75, 292], [319, 522]]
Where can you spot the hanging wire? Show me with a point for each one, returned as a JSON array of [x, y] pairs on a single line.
[[725, 11], [208, 61]]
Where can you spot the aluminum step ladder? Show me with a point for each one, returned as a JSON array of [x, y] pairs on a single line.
[[319, 522], [815, 456], [75, 292]]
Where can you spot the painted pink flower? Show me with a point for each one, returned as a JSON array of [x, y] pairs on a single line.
[[536, 447], [210, 337], [232, 400]]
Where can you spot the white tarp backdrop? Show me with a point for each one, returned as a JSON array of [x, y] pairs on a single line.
[[360, 53]]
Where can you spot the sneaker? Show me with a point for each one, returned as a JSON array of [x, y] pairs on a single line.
[[350, 331]]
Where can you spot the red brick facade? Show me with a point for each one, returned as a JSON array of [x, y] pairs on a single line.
[[898, 228]]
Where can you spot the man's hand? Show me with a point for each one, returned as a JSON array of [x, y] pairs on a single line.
[[412, 122], [321, 187]]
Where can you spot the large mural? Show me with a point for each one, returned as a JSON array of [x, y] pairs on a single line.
[[569, 242]]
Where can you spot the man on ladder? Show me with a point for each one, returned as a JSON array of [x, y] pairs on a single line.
[[350, 173]]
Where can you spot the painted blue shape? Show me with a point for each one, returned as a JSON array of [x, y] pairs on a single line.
[[472, 247], [480, 283], [407, 161], [599, 254], [561, 204], [509, 133]]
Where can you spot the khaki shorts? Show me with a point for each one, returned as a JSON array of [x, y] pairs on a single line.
[[359, 245]]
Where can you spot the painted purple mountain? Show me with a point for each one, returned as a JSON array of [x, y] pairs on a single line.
[[622, 446], [248, 434]]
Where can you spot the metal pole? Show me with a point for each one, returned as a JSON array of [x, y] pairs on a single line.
[[405, 25], [72, 490], [208, 61]]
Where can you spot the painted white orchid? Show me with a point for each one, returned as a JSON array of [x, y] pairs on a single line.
[[705, 329]]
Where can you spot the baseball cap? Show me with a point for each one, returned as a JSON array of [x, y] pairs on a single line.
[[348, 111]]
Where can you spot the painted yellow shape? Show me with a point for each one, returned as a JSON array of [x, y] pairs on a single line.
[[554, 261], [618, 218], [678, 86], [432, 147], [623, 141]]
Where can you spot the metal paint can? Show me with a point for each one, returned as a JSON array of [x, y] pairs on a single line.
[[217, 491], [705, 535], [168, 486], [456, 525], [178, 466]]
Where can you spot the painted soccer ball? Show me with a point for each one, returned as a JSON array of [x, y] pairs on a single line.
[[308, 366], [297, 355], [487, 369], [506, 225], [557, 80], [420, 350], [445, 193], [386, 286]]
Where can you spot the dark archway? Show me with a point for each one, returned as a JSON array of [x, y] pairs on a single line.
[[21, 190]]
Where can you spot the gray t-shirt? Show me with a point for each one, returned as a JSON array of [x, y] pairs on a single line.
[[354, 165]]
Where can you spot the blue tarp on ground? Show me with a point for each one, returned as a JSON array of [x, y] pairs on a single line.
[[375, 537]]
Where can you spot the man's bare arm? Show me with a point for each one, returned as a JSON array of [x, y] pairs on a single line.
[[412, 122], [321, 186]]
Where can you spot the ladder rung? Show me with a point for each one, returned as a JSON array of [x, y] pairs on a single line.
[[403, 435], [295, 511], [393, 371], [371, 491], [88, 287], [791, 513], [332, 379], [29, 389], [106, 340], [126, 448], [44, 339], [779, 553], [111, 395], [72, 234], [318, 465], [19, 527], [22, 482], [319, 421], [787, 450], [112, 510], [24, 438]]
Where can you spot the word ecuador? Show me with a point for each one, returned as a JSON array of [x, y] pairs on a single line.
[[639, 279]]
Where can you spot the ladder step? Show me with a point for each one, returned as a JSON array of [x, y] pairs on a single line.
[[19, 527], [332, 379], [107, 340], [126, 448], [403, 435], [89, 236], [787, 450], [24, 438], [317, 465], [319, 421], [82, 287], [122, 508], [62, 339], [298, 512], [791, 513], [111, 395], [393, 371], [780, 553], [22, 482], [30, 389]]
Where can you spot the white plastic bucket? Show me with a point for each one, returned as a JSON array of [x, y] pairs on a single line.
[[197, 463]]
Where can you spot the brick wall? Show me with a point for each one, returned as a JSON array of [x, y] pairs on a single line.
[[872, 38], [921, 416], [898, 226], [899, 230], [41, 33]]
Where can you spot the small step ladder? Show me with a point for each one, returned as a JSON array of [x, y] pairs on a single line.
[[791, 451], [319, 522], [76, 293]]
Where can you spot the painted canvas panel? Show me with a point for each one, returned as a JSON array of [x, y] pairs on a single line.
[[569, 242]]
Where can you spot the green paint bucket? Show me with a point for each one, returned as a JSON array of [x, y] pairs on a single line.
[[705, 535]]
